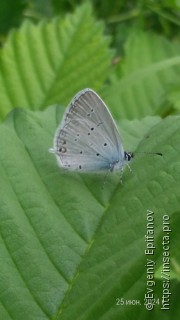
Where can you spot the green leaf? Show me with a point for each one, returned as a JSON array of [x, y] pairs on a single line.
[[150, 72], [174, 99], [70, 249], [49, 62], [174, 272]]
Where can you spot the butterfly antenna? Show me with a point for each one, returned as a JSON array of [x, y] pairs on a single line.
[[149, 153]]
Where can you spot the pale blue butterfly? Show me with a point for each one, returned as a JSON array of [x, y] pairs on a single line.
[[87, 138]]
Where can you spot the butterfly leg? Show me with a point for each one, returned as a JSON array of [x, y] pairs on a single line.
[[105, 178], [121, 175], [129, 168]]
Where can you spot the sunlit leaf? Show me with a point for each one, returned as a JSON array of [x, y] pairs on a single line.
[[149, 74], [49, 62]]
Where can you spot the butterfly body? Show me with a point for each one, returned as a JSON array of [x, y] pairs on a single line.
[[87, 138]]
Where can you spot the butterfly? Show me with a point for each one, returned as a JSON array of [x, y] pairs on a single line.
[[87, 139]]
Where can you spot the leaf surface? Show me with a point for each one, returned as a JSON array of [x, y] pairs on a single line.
[[69, 248]]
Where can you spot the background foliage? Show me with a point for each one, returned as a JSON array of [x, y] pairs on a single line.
[[69, 248]]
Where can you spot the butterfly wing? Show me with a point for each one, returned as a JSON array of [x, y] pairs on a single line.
[[87, 139]]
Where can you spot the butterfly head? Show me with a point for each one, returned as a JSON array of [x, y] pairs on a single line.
[[128, 156]]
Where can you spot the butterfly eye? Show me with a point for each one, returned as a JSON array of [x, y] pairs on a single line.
[[105, 144]]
